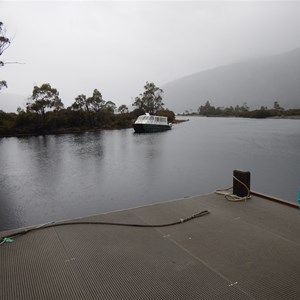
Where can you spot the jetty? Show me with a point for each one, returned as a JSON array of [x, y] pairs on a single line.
[[202, 247]]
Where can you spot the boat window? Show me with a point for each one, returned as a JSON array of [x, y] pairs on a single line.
[[151, 118]]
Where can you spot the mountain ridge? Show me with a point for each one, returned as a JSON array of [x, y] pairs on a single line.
[[257, 82]]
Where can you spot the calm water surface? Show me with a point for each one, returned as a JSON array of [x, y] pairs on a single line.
[[59, 177]]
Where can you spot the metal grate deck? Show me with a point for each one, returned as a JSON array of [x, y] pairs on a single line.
[[239, 251]]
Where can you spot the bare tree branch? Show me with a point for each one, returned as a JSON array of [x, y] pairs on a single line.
[[12, 62]]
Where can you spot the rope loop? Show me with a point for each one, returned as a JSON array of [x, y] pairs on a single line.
[[234, 198]]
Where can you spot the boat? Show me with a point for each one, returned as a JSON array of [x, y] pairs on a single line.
[[149, 123]]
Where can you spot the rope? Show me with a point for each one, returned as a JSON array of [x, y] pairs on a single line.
[[231, 197], [53, 224]]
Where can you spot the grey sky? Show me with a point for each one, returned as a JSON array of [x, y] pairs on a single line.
[[117, 46]]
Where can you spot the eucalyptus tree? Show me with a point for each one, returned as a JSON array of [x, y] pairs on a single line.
[[96, 101], [4, 41], [277, 107], [150, 100], [93, 108], [4, 44], [80, 103], [3, 84], [110, 106], [123, 109], [43, 99]]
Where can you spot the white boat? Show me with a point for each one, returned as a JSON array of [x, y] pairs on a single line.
[[149, 123]]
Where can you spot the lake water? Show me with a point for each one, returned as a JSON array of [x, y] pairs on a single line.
[[50, 178]]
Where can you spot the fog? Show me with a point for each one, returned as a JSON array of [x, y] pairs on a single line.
[[116, 47]]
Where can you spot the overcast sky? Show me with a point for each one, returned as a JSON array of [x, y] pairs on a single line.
[[116, 47]]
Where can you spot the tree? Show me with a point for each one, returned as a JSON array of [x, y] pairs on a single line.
[[4, 44], [110, 106], [151, 100], [4, 41], [96, 102], [93, 103], [3, 84], [245, 107], [57, 105], [206, 109], [44, 98], [80, 103], [94, 109], [277, 106], [123, 109]]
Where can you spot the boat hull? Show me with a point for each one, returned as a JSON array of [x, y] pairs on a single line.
[[144, 128]]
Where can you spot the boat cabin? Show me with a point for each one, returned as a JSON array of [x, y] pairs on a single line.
[[148, 119]]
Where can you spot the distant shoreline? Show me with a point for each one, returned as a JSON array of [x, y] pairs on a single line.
[[176, 121], [76, 131], [296, 117]]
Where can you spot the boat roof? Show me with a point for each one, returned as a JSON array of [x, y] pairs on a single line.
[[240, 250], [149, 116]]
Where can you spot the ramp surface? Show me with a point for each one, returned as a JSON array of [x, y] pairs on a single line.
[[245, 250]]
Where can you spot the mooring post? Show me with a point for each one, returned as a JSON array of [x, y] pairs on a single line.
[[240, 177]]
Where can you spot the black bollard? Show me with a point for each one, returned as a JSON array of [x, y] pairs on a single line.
[[238, 188]]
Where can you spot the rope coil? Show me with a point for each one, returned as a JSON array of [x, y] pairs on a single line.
[[231, 197]]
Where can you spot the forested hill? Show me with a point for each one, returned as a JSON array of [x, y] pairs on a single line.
[[258, 82]]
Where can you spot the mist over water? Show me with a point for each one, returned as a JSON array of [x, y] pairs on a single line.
[[50, 178]]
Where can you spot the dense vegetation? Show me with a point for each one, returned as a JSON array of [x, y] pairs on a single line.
[[244, 111], [45, 113]]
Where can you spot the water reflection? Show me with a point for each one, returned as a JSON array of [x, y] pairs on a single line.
[[73, 175], [87, 145]]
